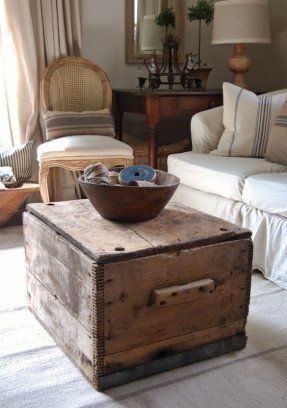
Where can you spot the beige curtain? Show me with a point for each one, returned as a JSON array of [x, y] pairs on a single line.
[[33, 34], [19, 72], [57, 27]]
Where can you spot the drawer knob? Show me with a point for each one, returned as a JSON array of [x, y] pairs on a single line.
[[212, 105], [179, 294]]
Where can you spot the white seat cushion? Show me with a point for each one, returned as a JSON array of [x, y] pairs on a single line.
[[224, 176], [84, 146], [267, 192]]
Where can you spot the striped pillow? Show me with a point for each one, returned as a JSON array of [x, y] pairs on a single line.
[[277, 143], [60, 124], [248, 120], [20, 159]]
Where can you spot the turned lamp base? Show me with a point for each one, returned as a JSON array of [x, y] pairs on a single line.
[[239, 64]]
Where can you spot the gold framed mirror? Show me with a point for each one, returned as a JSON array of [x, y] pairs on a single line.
[[143, 36]]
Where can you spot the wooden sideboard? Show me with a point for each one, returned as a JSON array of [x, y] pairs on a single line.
[[155, 104]]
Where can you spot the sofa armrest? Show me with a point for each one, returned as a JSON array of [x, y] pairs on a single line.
[[206, 130]]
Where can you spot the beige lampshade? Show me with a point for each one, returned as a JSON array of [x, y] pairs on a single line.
[[241, 21], [151, 34]]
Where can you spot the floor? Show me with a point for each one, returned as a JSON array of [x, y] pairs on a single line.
[[35, 373]]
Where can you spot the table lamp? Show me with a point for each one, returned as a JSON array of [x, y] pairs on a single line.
[[240, 22]]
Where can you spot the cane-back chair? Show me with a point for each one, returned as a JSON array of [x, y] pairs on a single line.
[[74, 84]]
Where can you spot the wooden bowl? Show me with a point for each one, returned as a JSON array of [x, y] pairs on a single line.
[[131, 203], [11, 200]]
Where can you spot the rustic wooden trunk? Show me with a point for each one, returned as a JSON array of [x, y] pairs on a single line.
[[129, 300]]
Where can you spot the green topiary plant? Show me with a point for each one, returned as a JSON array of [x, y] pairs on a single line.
[[166, 18], [203, 10]]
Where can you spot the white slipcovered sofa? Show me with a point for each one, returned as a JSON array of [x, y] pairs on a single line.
[[249, 192]]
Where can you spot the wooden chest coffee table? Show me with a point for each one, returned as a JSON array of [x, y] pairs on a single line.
[[125, 301]]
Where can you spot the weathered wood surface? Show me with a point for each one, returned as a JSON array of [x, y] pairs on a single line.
[[73, 338], [139, 355], [129, 286], [57, 246], [102, 314], [61, 282], [176, 360], [176, 228]]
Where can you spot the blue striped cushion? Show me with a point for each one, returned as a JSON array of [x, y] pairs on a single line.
[[263, 124], [277, 143], [247, 120], [20, 159]]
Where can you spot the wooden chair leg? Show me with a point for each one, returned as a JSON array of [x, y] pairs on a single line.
[[43, 182], [55, 183]]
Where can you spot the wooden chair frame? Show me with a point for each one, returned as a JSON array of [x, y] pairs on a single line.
[[70, 163]]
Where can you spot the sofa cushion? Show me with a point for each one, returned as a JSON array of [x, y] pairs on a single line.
[[84, 146], [224, 176], [267, 192], [277, 143], [247, 120]]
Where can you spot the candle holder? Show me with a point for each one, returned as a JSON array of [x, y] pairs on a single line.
[[169, 72], [142, 82]]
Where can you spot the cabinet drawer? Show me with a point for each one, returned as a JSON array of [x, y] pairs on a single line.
[[199, 103], [188, 105], [134, 318]]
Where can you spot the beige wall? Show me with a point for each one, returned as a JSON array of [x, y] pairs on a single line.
[[104, 39], [270, 61], [104, 43]]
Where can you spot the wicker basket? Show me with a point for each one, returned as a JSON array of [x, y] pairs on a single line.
[[140, 149]]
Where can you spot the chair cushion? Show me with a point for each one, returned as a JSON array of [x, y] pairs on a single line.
[[59, 124], [267, 192], [84, 146], [224, 176], [247, 120]]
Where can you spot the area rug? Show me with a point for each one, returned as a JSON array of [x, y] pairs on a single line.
[[34, 372]]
